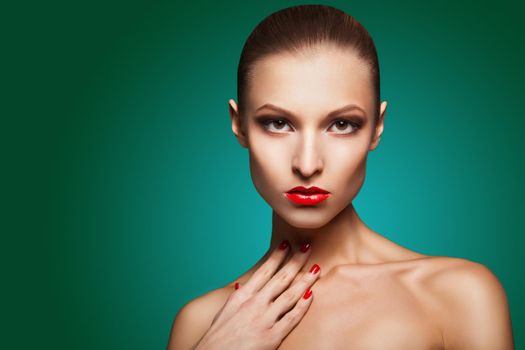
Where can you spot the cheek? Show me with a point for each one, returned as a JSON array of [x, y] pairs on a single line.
[[267, 164], [348, 166]]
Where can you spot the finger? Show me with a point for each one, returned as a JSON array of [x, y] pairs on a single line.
[[288, 322], [289, 298], [285, 275], [229, 307], [265, 272], [298, 277]]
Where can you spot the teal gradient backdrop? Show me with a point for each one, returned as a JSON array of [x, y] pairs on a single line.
[[126, 194]]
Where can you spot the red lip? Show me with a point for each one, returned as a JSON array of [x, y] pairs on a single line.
[[303, 189], [307, 196]]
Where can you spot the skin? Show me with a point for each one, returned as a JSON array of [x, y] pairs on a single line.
[[371, 293]]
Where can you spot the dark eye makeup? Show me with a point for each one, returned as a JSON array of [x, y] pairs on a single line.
[[280, 123]]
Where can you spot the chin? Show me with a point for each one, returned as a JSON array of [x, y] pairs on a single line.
[[305, 218]]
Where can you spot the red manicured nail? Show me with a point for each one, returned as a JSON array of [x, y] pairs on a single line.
[[305, 247], [283, 245], [236, 285], [307, 294], [315, 269]]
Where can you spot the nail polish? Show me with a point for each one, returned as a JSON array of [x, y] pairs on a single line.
[[307, 294], [284, 244], [305, 247], [315, 269], [236, 285]]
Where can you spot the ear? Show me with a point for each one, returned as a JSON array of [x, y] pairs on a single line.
[[378, 130], [237, 126]]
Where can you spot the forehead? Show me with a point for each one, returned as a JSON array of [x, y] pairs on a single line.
[[313, 82]]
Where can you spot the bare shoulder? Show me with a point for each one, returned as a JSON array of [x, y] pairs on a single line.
[[460, 278], [472, 303], [195, 318]]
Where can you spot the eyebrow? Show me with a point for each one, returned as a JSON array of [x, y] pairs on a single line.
[[348, 107]]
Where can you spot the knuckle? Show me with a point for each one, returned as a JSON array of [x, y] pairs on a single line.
[[258, 300], [238, 296], [287, 297], [283, 276], [296, 279], [275, 339], [300, 286], [266, 272], [292, 316], [244, 305], [258, 321], [290, 298], [300, 278], [306, 280], [265, 322], [248, 303]]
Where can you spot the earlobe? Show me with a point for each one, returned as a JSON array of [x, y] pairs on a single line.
[[378, 130], [236, 123]]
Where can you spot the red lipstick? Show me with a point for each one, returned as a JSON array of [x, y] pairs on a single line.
[[307, 196]]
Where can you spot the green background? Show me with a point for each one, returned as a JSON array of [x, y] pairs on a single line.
[[126, 194]]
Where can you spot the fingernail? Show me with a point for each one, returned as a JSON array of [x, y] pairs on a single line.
[[307, 294], [284, 244], [305, 247], [315, 269], [236, 285]]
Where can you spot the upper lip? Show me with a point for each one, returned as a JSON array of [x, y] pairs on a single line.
[[303, 189]]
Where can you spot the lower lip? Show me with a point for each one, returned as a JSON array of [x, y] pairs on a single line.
[[307, 199]]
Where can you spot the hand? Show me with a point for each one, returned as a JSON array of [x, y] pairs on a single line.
[[260, 314]]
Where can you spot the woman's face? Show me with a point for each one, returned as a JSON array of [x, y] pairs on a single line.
[[304, 144]]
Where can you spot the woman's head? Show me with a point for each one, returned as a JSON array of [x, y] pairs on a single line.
[[297, 68], [302, 30]]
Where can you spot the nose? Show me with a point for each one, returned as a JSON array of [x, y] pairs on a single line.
[[307, 158]]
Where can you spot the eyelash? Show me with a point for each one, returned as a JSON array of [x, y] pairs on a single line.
[[356, 126]]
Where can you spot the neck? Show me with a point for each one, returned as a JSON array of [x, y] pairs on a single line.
[[341, 241]]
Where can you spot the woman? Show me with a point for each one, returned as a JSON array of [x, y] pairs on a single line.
[[309, 112]]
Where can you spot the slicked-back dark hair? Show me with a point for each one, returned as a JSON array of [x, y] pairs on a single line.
[[299, 28]]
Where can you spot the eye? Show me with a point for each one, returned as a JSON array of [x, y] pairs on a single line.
[[344, 126], [279, 125]]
